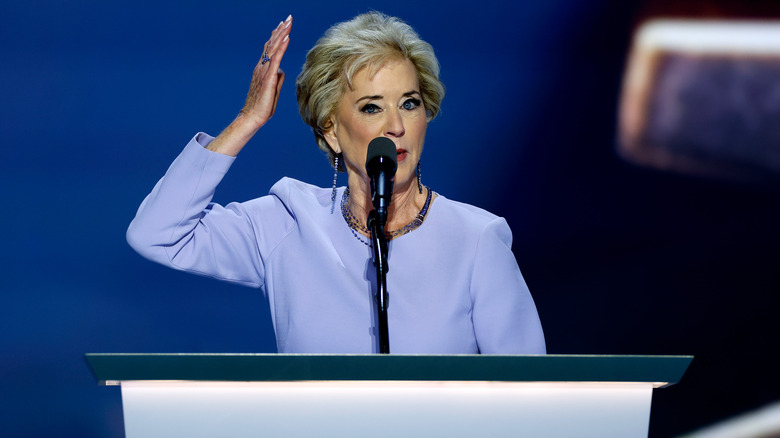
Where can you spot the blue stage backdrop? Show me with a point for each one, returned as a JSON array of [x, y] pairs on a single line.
[[96, 99]]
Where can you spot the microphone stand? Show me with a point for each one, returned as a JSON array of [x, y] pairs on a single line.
[[379, 241]]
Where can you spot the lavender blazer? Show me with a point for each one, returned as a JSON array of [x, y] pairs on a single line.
[[454, 284]]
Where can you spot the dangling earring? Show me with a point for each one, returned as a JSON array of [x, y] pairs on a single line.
[[419, 178], [335, 177]]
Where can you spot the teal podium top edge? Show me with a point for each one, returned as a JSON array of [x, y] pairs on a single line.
[[116, 367]]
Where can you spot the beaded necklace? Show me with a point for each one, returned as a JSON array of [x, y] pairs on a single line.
[[356, 227]]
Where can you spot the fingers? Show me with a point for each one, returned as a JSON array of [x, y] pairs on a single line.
[[267, 78], [275, 50], [280, 38], [276, 46]]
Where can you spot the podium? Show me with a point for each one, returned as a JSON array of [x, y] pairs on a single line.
[[284, 395]]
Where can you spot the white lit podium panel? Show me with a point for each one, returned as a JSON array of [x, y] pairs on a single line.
[[279, 395]]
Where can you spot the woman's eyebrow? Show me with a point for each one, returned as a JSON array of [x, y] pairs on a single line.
[[376, 96], [369, 98]]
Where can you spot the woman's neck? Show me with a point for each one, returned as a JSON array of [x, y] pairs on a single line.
[[406, 203]]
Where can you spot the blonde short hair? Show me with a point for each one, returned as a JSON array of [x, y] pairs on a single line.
[[367, 41]]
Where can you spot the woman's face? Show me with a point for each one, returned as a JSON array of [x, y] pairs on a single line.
[[389, 104]]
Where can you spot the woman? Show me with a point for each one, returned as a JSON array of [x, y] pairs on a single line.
[[454, 285]]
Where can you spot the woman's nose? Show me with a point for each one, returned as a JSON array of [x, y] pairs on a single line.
[[394, 124]]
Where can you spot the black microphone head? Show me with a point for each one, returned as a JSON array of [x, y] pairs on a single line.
[[381, 156]]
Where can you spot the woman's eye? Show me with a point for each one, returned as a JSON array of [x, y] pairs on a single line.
[[411, 104], [370, 108]]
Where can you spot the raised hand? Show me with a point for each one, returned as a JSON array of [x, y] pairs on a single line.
[[260, 105], [267, 78]]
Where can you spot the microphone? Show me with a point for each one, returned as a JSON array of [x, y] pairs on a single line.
[[381, 164]]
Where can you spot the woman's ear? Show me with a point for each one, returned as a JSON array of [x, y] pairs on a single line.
[[329, 133]]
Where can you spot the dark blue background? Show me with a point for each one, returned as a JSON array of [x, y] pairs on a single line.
[[96, 99]]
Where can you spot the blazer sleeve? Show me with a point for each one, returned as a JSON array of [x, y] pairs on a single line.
[[504, 314], [177, 225]]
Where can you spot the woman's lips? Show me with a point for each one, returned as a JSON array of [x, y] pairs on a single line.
[[401, 154]]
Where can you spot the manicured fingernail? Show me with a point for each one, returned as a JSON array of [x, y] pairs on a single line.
[[289, 17], [280, 24]]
